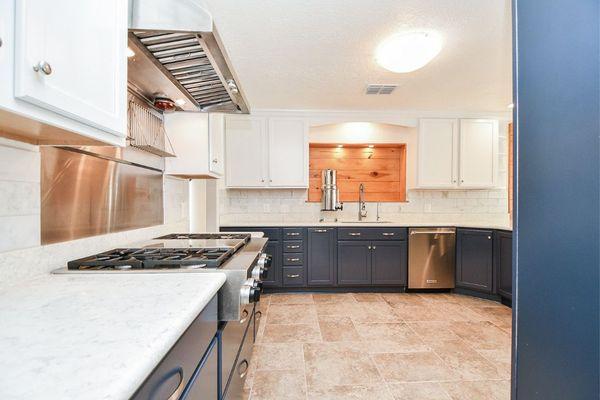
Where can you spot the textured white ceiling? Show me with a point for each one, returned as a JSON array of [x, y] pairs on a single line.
[[319, 54]]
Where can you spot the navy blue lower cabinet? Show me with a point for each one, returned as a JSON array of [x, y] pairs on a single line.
[[503, 263], [274, 275], [354, 263], [321, 256], [389, 263], [474, 260]]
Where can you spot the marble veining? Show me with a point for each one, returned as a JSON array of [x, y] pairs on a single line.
[[93, 336]]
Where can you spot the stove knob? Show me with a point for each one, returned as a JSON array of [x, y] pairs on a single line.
[[258, 285], [257, 272], [254, 295], [265, 260], [263, 273]]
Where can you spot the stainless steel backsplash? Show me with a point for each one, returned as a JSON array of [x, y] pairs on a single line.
[[86, 194]]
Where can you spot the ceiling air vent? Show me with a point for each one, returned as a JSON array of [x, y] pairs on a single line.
[[380, 89]]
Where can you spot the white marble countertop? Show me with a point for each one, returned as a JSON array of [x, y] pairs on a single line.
[[407, 224], [95, 336]]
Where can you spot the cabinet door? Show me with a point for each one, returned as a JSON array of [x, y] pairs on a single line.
[[389, 262], [82, 45], [437, 153], [288, 152], [474, 264], [503, 263], [273, 278], [187, 133], [216, 143], [354, 263], [478, 153], [321, 256], [245, 151]]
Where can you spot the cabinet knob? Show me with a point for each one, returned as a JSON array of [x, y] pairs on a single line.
[[0, 42], [462, 181], [215, 161], [489, 238], [44, 67], [262, 180], [453, 180], [374, 247], [369, 247]]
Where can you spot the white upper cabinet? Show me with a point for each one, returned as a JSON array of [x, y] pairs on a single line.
[[66, 64], [216, 143], [437, 153], [478, 153], [266, 152], [288, 152], [245, 151], [457, 154], [194, 145]]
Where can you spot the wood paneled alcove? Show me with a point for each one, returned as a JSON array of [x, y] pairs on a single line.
[[380, 167]]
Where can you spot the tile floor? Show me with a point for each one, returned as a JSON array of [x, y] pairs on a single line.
[[381, 346]]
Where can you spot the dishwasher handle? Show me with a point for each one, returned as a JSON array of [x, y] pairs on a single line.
[[433, 232]]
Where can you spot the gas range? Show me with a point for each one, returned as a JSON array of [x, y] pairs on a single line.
[[239, 256]]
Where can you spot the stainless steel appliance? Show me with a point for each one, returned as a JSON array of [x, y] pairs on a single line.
[[431, 258], [179, 59], [330, 196]]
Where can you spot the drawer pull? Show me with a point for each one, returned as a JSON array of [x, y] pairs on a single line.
[[321, 230], [293, 233], [388, 233], [294, 247], [293, 259], [258, 315], [294, 276], [244, 316], [242, 368], [354, 233]]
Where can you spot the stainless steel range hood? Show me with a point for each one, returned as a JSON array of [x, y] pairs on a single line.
[[178, 54]]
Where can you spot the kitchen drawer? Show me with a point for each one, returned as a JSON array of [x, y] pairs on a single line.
[[272, 234], [293, 276], [293, 233], [360, 233], [293, 246], [235, 387], [178, 366], [293, 259]]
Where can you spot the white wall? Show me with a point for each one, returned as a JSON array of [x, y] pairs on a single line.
[[22, 256]]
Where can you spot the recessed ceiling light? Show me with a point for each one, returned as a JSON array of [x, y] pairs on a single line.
[[371, 146], [340, 146], [511, 105], [130, 53], [407, 52], [180, 102]]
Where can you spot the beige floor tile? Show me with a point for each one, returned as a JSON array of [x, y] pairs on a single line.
[[499, 316], [474, 301], [482, 335], [438, 297], [374, 312], [367, 297], [416, 313], [335, 364], [278, 356], [332, 297], [480, 390], [459, 312], [360, 392], [433, 331], [404, 298], [292, 314], [292, 298], [413, 367], [501, 358], [338, 329], [336, 309], [291, 333], [418, 391], [278, 385], [467, 363], [394, 337]]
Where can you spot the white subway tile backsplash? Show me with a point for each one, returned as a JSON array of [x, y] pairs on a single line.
[[19, 231]]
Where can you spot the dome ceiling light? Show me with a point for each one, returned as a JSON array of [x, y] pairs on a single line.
[[407, 52]]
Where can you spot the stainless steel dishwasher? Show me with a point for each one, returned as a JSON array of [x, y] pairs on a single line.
[[431, 258]]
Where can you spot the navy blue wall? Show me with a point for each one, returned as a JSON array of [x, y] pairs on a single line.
[[557, 189]]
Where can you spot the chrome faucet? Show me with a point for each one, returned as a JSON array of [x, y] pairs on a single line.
[[362, 206]]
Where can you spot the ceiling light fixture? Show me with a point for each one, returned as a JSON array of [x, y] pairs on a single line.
[[130, 53], [180, 102], [407, 52], [371, 146], [340, 146]]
